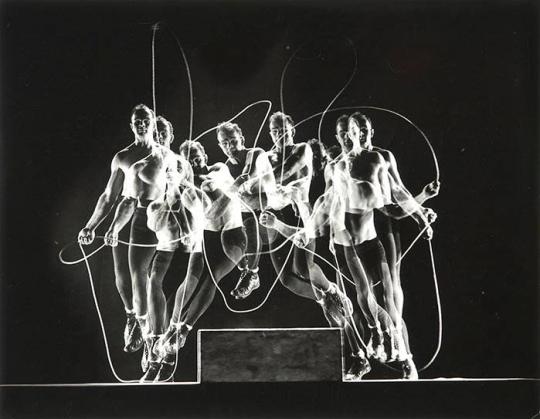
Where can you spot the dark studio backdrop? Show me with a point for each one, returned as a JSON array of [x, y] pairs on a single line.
[[465, 72]]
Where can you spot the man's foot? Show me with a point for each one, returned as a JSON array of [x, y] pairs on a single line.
[[166, 371], [389, 346], [151, 373], [248, 282], [409, 369], [172, 340], [375, 346], [399, 350], [148, 354], [359, 367], [133, 338], [336, 305]]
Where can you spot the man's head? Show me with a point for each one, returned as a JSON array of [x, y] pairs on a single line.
[[230, 138], [360, 131], [342, 126], [281, 129], [142, 122], [164, 132], [193, 152]]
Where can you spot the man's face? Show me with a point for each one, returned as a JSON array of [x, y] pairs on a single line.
[[142, 123], [342, 137], [197, 158], [281, 132], [230, 143], [164, 135], [360, 133]]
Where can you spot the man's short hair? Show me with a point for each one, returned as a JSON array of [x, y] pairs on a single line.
[[358, 117], [165, 122], [187, 145], [142, 106], [229, 128], [343, 119], [284, 118]]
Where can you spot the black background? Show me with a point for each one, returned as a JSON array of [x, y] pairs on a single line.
[[465, 72]]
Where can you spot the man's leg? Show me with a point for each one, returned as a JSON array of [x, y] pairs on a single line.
[[283, 261], [122, 278], [287, 260], [156, 296], [374, 257], [233, 245], [249, 264], [121, 271], [366, 300], [139, 263]]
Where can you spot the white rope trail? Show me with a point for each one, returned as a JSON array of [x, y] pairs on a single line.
[[190, 82], [412, 244], [267, 295], [154, 29], [439, 309], [106, 342], [349, 80], [234, 117], [376, 108]]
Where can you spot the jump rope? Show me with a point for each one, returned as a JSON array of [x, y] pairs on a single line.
[[336, 268]]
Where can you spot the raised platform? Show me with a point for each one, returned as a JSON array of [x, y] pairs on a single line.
[[270, 355]]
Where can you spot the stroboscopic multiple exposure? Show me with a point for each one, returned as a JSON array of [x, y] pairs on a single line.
[[269, 192], [254, 204]]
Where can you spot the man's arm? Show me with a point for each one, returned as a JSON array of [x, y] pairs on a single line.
[[124, 212], [158, 215], [252, 174], [404, 198], [410, 207], [192, 200], [300, 158], [250, 168], [300, 236], [261, 181], [430, 190], [104, 203]]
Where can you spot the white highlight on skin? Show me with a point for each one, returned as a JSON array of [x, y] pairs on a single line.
[[85, 258]]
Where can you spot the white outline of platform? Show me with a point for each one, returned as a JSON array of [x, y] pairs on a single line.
[[198, 382]]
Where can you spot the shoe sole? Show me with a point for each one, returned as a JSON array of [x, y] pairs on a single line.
[[242, 297]]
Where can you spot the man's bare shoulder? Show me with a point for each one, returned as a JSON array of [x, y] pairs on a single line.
[[372, 156], [216, 167], [255, 151], [387, 155], [124, 153], [301, 148]]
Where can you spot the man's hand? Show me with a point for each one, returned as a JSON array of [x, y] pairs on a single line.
[[267, 219], [289, 192], [300, 240], [430, 215], [111, 238], [240, 184], [86, 236], [241, 179], [428, 233], [432, 189], [186, 240]]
